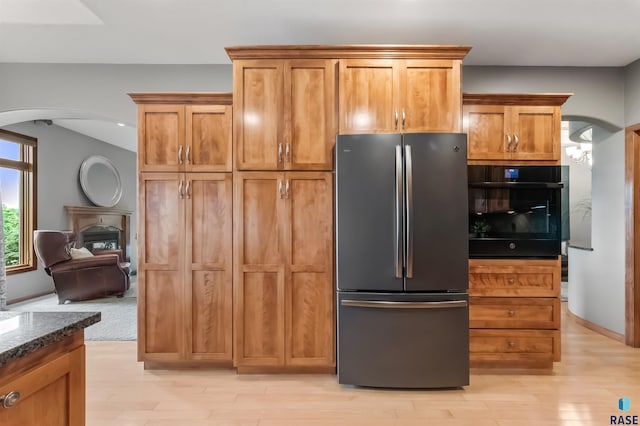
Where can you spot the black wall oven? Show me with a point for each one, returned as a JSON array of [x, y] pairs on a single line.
[[514, 211]]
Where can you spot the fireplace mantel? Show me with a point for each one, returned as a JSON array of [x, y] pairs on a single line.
[[82, 217]]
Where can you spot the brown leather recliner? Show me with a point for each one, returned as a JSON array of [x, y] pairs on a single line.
[[79, 279]]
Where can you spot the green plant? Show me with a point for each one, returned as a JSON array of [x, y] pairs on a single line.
[[11, 228], [480, 227]]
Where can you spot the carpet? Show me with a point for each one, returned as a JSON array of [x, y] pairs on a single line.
[[119, 315]]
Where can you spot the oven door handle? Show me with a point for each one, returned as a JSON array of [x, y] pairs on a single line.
[[517, 185]]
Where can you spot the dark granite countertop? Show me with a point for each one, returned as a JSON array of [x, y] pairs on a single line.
[[22, 333]]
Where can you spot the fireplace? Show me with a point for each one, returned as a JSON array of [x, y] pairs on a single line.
[[100, 228]]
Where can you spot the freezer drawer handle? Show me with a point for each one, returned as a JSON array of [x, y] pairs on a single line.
[[404, 305]]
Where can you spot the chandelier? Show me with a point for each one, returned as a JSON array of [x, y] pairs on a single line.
[[582, 151], [581, 154]]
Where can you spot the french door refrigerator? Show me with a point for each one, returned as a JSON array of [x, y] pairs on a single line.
[[402, 260]]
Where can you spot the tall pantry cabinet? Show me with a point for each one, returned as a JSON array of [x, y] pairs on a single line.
[[184, 228], [285, 123]]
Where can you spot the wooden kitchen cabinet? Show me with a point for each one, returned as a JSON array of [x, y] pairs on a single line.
[[185, 267], [184, 132], [513, 127], [400, 95], [285, 113], [514, 312], [51, 387], [283, 278]]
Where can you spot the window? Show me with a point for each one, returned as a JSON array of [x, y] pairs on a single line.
[[18, 192]]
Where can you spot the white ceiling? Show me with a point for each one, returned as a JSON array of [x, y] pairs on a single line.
[[500, 32]]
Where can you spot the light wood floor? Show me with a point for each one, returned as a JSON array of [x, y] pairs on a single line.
[[582, 390]]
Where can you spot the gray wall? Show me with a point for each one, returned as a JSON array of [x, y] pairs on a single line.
[[102, 89], [60, 153], [596, 278], [632, 93]]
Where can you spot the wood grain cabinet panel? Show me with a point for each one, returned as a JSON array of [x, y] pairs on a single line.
[[513, 127], [514, 348], [52, 393], [514, 312], [178, 138], [284, 114], [498, 277], [283, 305], [185, 267], [392, 95]]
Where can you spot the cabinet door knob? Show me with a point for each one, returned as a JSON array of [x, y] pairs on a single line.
[[10, 399]]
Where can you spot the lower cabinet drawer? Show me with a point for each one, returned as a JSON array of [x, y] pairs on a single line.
[[511, 312], [514, 348]]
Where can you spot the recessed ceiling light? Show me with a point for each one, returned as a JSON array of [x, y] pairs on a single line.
[[120, 124]]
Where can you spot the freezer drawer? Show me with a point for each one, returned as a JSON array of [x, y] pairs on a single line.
[[403, 340]]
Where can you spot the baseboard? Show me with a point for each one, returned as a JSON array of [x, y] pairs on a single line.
[[597, 328], [25, 298]]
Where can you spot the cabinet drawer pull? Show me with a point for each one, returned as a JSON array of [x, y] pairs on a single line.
[[515, 143], [287, 152], [187, 154], [280, 189], [180, 154], [180, 193], [279, 153], [396, 126], [511, 312], [512, 343], [404, 116], [511, 281], [508, 143], [10, 399]]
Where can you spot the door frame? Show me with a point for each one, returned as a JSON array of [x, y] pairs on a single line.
[[632, 234]]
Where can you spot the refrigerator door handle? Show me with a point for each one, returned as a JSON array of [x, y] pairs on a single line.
[[398, 229], [409, 213], [381, 304]]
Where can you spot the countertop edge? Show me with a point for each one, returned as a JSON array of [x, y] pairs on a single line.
[[29, 346]]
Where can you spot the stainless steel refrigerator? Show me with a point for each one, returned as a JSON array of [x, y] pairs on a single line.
[[402, 260]]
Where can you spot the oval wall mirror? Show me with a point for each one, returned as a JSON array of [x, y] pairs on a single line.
[[100, 181]]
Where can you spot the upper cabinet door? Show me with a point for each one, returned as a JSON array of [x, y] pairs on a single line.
[[536, 132], [487, 127], [161, 139], [430, 96], [309, 114], [368, 96], [208, 136], [258, 111]]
